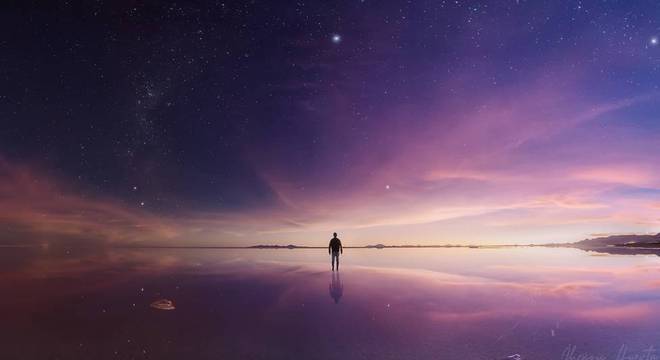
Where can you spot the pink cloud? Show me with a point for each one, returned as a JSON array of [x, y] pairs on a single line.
[[478, 172]]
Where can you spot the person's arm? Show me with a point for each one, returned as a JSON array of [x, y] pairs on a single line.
[[341, 248], [329, 246]]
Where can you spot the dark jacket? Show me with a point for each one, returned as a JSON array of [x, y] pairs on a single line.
[[335, 246]]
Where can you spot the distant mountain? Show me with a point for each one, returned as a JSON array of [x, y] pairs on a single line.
[[377, 246], [620, 240], [290, 246]]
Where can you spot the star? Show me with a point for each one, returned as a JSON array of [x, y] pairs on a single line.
[[336, 38], [387, 187], [654, 41]]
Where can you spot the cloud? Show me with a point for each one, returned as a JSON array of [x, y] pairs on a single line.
[[36, 208], [505, 167], [519, 152]]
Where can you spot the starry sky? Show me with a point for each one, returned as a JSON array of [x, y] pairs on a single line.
[[397, 122]]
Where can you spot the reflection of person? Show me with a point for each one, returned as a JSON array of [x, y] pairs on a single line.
[[335, 248], [336, 287]]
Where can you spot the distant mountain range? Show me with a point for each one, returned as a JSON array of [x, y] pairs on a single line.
[[643, 241], [381, 246], [615, 244], [290, 246]]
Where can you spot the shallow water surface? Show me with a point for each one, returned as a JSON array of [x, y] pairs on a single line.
[[459, 303]]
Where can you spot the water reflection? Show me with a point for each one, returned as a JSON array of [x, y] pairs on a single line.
[[262, 304], [336, 287]]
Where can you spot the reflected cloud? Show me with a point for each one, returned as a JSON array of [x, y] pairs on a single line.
[[444, 302]]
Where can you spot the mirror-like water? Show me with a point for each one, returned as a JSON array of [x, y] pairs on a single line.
[[540, 303]]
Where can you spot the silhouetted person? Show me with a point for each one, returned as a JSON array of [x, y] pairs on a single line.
[[334, 249], [336, 288]]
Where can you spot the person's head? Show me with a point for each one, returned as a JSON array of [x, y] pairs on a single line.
[[334, 234]]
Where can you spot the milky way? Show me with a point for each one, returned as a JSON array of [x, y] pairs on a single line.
[[394, 122]]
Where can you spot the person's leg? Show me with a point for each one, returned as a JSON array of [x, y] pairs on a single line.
[[337, 261]]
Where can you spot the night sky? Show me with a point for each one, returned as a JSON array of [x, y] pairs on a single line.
[[241, 123]]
